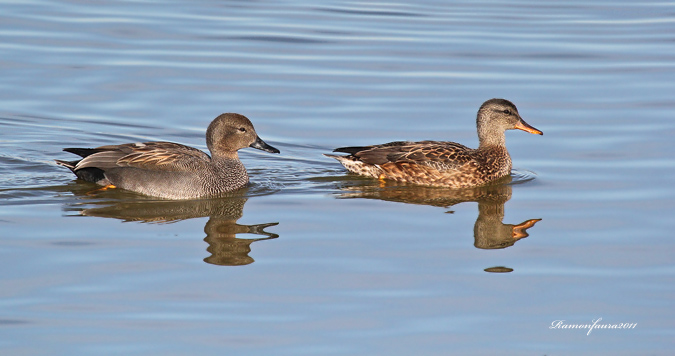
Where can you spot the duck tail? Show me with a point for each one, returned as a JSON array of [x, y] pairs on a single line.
[[89, 174], [333, 156], [69, 164], [352, 150], [83, 152]]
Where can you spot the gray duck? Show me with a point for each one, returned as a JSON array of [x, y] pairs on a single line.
[[171, 170]]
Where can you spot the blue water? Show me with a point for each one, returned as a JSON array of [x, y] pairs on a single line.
[[309, 259]]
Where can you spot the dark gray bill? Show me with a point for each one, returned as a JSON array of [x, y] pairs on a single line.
[[261, 145]]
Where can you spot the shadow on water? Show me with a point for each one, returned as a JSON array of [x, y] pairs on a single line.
[[489, 231], [221, 229]]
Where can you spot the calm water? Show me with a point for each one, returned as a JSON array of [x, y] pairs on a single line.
[[311, 260]]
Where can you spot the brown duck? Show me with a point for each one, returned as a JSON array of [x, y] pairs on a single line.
[[446, 164], [171, 170]]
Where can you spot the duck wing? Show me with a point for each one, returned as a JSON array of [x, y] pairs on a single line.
[[157, 156], [442, 156]]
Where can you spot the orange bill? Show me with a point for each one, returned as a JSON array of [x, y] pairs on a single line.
[[522, 125]]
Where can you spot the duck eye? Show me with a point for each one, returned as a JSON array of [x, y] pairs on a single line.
[[507, 112], [242, 129]]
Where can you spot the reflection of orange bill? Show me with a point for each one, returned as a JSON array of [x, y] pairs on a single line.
[[522, 125], [519, 231]]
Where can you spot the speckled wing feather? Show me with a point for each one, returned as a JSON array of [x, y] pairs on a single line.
[[442, 156], [158, 156]]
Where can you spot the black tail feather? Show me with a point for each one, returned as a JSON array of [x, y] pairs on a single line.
[[83, 152], [89, 174], [351, 150]]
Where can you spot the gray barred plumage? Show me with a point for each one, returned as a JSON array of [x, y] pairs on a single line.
[[171, 170]]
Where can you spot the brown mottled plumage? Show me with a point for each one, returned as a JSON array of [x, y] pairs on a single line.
[[171, 170], [446, 164]]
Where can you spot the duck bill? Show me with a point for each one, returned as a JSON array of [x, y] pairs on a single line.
[[520, 231], [522, 125], [261, 145]]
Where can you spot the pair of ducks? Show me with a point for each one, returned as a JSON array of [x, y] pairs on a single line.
[[174, 171]]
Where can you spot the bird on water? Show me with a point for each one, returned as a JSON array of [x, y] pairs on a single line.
[[172, 170], [441, 163]]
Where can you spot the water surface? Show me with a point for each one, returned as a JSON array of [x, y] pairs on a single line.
[[310, 259]]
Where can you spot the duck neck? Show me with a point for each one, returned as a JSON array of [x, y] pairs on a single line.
[[229, 165], [224, 155], [490, 137]]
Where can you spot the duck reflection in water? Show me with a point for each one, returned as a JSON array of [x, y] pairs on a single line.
[[221, 229], [489, 231]]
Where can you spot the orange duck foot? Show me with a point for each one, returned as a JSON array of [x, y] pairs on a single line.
[[109, 186]]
